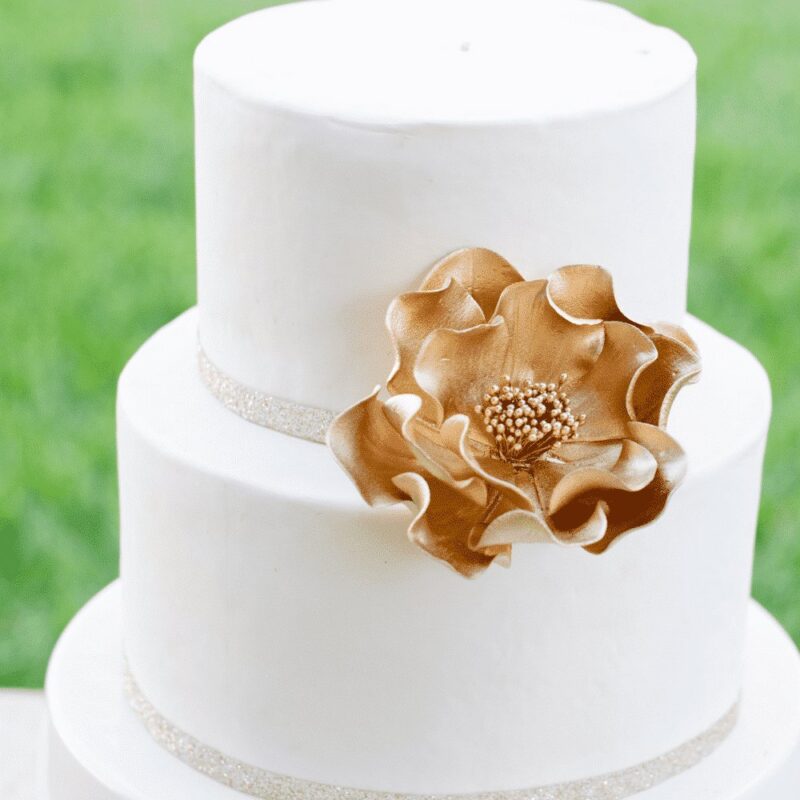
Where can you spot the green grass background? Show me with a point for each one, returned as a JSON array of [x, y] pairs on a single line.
[[97, 251]]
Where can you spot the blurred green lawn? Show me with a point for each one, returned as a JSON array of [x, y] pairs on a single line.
[[97, 251]]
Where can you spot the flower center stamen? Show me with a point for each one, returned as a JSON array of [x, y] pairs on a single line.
[[528, 420]]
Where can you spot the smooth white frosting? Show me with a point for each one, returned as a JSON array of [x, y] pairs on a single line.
[[273, 615], [447, 61], [344, 146], [99, 750]]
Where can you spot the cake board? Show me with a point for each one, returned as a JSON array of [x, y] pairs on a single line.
[[99, 750]]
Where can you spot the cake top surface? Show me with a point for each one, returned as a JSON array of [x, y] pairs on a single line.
[[447, 61]]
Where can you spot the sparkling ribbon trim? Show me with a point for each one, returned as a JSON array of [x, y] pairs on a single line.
[[266, 785], [284, 416]]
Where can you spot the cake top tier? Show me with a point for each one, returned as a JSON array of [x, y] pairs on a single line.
[[345, 146], [447, 60]]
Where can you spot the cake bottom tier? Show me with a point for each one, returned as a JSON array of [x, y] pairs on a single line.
[[100, 750], [273, 616]]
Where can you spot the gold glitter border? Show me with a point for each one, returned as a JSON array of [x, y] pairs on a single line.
[[266, 410], [261, 783]]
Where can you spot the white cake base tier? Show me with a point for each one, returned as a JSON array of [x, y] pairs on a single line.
[[100, 750], [274, 616]]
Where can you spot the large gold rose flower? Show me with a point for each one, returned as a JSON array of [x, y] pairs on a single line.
[[518, 411]]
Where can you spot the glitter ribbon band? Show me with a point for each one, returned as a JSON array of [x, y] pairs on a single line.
[[284, 416], [266, 785]]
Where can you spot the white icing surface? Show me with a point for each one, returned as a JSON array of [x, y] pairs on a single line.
[[274, 616], [446, 60], [99, 750], [344, 146]]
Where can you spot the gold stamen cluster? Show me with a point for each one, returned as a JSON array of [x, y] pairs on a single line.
[[529, 420]]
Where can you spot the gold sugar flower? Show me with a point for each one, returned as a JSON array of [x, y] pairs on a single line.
[[518, 411]]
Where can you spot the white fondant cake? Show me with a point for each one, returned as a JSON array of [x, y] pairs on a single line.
[[343, 147]]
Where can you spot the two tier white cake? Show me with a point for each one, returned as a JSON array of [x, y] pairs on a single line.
[[281, 635]]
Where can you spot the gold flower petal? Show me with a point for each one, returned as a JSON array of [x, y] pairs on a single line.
[[588, 528], [544, 344], [411, 317], [483, 273], [676, 332], [445, 523], [497, 474], [625, 466], [516, 527], [588, 532], [584, 294], [627, 510], [604, 394], [657, 386], [370, 447], [453, 366], [433, 452]]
